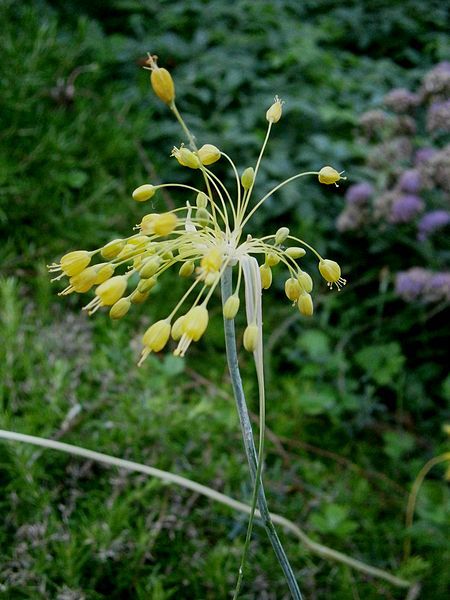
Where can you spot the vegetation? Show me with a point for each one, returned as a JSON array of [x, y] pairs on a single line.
[[357, 396]]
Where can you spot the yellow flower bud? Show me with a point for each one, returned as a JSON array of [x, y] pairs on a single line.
[[112, 249], [144, 192], [145, 285], [150, 267], [331, 272], [111, 290], [231, 307], [186, 157], [329, 175], [305, 304], [157, 336], [295, 252], [212, 260], [272, 259], [251, 336], [177, 328], [281, 235], [292, 289], [82, 282], [120, 308], [146, 224], [208, 154], [186, 269], [305, 281], [195, 323], [202, 200], [74, 262], [161, 80], [247, 178], [138, 297], [266, 276], [104, 272], [164, 223], [273, 115]]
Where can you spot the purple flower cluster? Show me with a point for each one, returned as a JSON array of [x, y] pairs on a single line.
[[423, 155], [431, 222], [436, 83], [401, 100], [420, 284], [410, 181], [438, 117], [405, 208], [359, 193]]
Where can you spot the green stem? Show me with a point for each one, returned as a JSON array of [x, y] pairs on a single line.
[[249, 444]]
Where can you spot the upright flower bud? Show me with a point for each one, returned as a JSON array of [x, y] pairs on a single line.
[[161, 80], [208, 154], [144, 192], [251, 335], [247, 178], [305, 304], [281, 235], [202, 200], [231, 307], [328, 175], [273, 115]]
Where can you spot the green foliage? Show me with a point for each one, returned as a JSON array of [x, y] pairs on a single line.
[[357, 396]]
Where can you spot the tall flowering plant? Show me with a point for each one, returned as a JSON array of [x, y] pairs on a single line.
[[206, 241]]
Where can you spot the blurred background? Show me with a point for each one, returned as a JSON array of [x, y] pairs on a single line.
[[358, 395]]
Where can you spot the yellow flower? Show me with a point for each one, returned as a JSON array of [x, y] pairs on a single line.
[[328, 175]]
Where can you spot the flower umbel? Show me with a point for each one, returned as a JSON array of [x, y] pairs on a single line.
[[199, 240]]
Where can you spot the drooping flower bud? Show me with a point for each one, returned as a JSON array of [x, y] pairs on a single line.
[[305, 304], [273, 115], [74, 262], [328, 175], [111, 290], [247, 178], [144, 192], [272, 259], [292, 289], [145, 285], [186, 157], [281, 235], [164, 223], [295, 252], [266, 276], [177, 328], [231, 307], [120, 308], [186, 269], [104, 272], [112, 249], [331, 272], [195, 323], [251, 336], [157, 335], [208, 154], [305, 281], [82, 282], [138, 297], [150, 267]]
